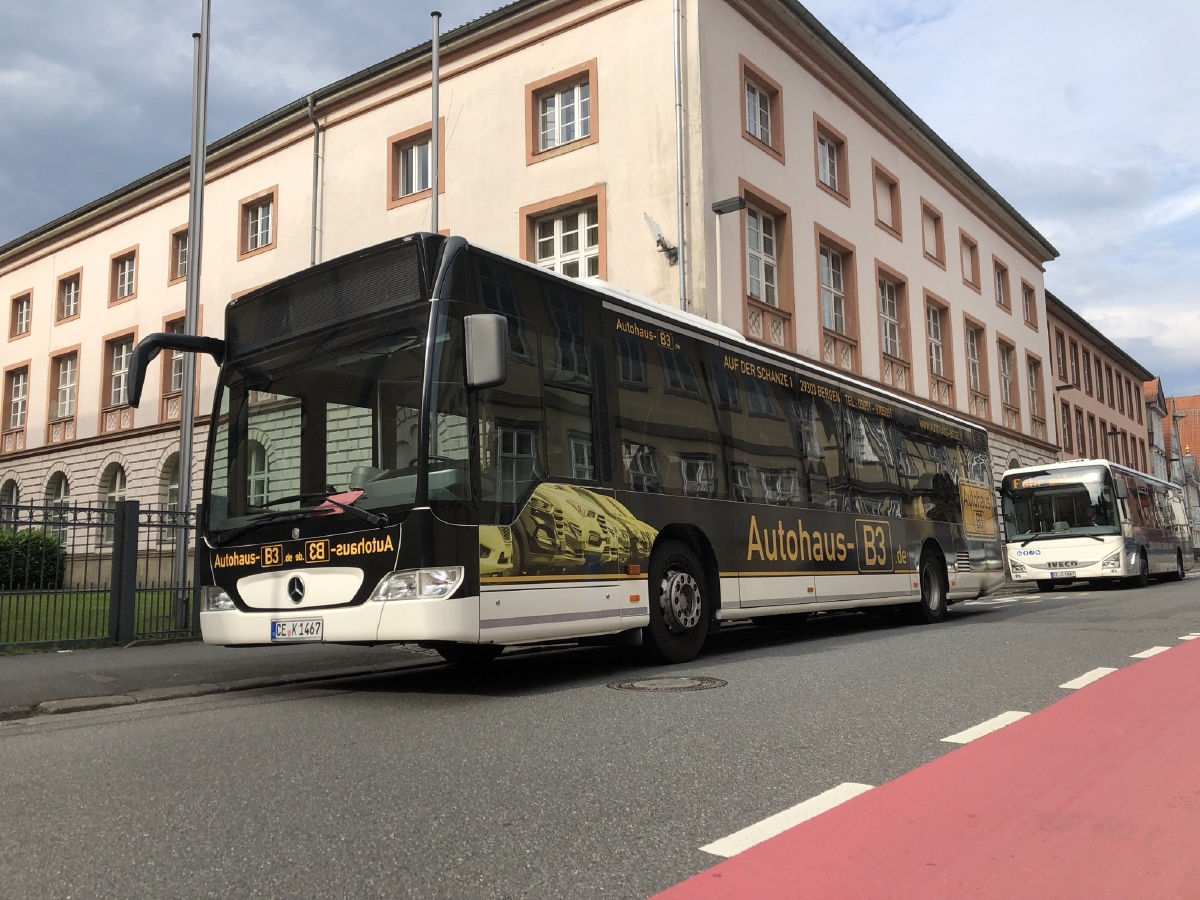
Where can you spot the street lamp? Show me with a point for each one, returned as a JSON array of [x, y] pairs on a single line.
[[721, 207]]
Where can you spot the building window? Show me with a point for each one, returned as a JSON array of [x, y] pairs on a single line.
[[978, 403], [1060, 355], [58, 497], [1004, 358], [1120, 396], [832, 169], [410, 164], [1129, 405], [762, 109], [1029, 305], [1139, 406], [413, 161], [117, 354], [178, 264], [1003, 297], [833, 296], [1079, 429], [1092, 453], [973, 376], [933, 236], [258, 223], [1087, 373], [1065, 415], [761, 267], [1074, 363], [1099, 380], [257, 474], [1108, 379], [887, 201], [173, 380], [969, 257], [123, 283], [65, 370], [933, 326], [758, 112], [16, 392], [10, 494], [170, 482], [114, 492], [20, 315], [889, 319], [563, 112], [1034, 372], [67, 306], [569, 242]]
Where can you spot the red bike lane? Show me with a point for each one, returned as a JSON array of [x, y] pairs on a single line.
[[1095, 796]]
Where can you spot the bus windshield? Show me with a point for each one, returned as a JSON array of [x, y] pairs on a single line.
[[330, 413], [1076, 501]]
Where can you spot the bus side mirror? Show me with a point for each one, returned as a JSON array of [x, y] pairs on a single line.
[[1122, 488], [150, 346], [487, 350]]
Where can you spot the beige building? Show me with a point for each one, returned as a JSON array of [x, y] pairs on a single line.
[[1099, 394], [855, 235]]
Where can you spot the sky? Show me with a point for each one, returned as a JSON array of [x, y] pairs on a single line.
[[1083, 114]]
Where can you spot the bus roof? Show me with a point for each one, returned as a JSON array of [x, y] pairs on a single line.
[[725, 333], [1085, 463]]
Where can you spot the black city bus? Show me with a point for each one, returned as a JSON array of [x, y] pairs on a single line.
[[426, 441]]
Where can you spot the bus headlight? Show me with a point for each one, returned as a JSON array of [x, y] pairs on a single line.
[[1112, 561], [215, 599], [1017, 567], [419, 584]]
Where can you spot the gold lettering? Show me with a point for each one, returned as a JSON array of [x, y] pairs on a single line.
[[754, 543]]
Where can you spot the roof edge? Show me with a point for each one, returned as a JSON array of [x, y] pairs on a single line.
[[1055, 306]]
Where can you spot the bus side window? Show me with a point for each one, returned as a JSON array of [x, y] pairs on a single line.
[[570, 437], [763, 465], [874, 482], [816, 424], [564, 331]]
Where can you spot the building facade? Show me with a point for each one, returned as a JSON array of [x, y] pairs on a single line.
[[1099, 393], [1156, 416], [845, 230]]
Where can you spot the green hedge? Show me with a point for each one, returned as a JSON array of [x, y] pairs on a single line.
[[31, 559]]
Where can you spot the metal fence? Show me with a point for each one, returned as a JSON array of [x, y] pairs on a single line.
[[82, 574]]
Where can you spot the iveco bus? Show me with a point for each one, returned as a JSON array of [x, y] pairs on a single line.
[[1093, 520], [427, 441]]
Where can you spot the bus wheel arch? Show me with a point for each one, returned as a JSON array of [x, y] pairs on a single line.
[[1142, 578], [696, 541]]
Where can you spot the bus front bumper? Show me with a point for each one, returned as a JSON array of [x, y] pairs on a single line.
[[1096, 571], [454, 619]]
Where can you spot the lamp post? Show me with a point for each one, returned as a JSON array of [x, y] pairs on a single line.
[[721, 207]]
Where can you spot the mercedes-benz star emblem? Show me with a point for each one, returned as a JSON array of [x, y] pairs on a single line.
[[295, 533], [295, 588]]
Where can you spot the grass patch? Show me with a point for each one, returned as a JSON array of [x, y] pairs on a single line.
[[82, 615]]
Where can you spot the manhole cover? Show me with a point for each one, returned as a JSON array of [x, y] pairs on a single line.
[[669, 683]]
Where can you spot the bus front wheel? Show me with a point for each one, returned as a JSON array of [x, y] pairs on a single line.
[[679, 605], [1142, 578], [932, 606]]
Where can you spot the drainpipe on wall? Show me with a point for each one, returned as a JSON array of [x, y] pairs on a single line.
[[678, 16], [312, 115], [434, 174]]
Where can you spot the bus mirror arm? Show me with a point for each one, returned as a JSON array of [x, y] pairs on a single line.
[[487, 349], [150, 346]]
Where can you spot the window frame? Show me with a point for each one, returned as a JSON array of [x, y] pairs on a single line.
[[895, 227], [850, 313], [750, 74], [1002, 283], [938, 254], [1073, 363], [785, 307], [529, 216], [535, 90], [1029, 312], [13, 301], [969, 247], [52, 405], [116, 264], [583, 252], [178, 237], [767, 259], [1007, 347], [946, 343], [245, 205], [832, 137], [396, 145], [1086, 363], [59, 282], [25, 368], [106, 407], [970, 323], [1035, 388], [1060, 355]]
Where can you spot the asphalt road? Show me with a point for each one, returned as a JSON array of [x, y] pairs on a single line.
[[535, 779]]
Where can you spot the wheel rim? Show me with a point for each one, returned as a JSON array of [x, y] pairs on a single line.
[[680, 601], [931, 588]]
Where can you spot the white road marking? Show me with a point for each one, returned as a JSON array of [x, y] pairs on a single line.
[[1188, 637], [978, 731], [1035, 600], [1087, 678], [1146, 654], [780, 822]]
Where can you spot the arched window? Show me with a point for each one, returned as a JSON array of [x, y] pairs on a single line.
[[58, 497], [170, 482], [113, 491], [10, 494], [257, 475]]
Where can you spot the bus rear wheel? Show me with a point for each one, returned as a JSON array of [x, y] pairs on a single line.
[[932, 578], [1177, 575], [679, 605], [468, 655]]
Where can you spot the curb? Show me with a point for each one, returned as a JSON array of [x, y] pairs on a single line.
[[155, 695]]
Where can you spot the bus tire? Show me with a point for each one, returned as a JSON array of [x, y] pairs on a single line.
[[468, 656], [1177, 575], [1142, 578], [680, 605], [1045, 585], [932, 577]]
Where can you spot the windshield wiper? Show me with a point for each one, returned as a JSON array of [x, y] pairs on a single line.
[[285, 515], [379, 520]]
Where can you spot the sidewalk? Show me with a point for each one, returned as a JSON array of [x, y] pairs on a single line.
[[1097, 796], [116, 676]]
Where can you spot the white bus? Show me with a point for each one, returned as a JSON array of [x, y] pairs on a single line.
[[1093, 520]]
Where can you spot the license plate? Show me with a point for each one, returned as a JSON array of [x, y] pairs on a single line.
[[296, 630], [1062, 574]]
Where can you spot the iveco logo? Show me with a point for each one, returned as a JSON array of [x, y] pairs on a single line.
[[1065, 564], [295, 588]]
